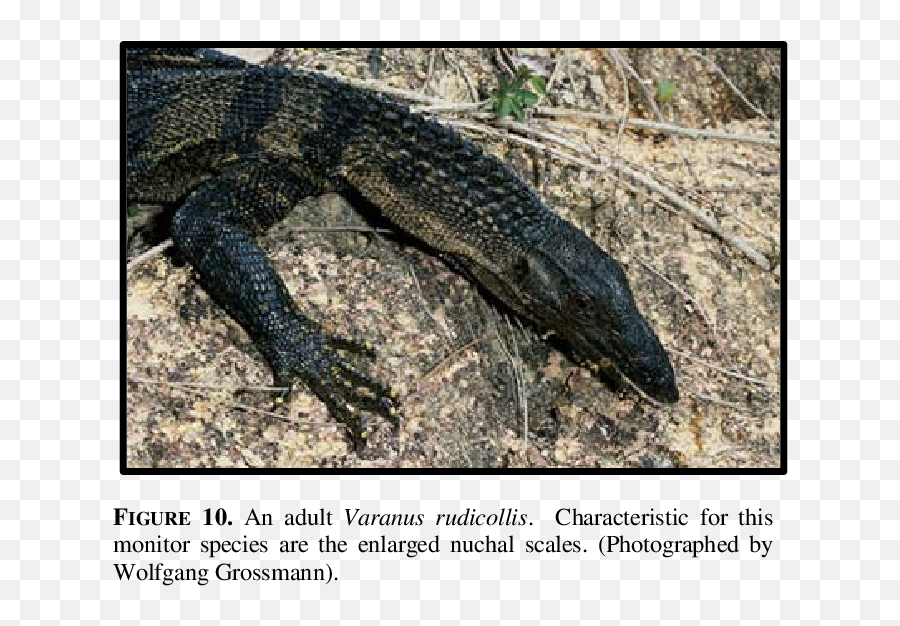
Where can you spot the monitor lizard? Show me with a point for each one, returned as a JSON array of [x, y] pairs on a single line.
[[234, 147]]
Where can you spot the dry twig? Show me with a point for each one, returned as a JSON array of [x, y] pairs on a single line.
[[713, 366], [506, 61], [443, 362], [719, 401], [428, 76], [148, 254], [684, 294], [702, 218], [515, 361], [734, 88], [528, 142]]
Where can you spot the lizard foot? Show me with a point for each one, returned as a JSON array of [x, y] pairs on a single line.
[[338, 382]]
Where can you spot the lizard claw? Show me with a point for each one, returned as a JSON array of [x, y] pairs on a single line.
[[338, 382]]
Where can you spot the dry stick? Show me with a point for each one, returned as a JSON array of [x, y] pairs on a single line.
[[446, 360], [528, 142], [205, 385], [506, 61], [335, 52], [509, 358], [149, 254], [754, 228], [725, 189], [713, 366], [731, 84], [543, 134], [515, 361], [708, 398], [704, 209], [702, 218], [700, 197], [698, 200], [522, 389], [673, 129], [453, 106], [431, 56], [641, 393], [703, 203], [579, 128], [693, 133], [678, 290]]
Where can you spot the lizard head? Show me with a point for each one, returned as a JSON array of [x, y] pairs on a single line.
[[573, 287]]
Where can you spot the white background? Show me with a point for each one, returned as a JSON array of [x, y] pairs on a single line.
[[835, 556]]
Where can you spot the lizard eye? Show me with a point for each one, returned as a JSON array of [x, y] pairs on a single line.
[[579, 303]]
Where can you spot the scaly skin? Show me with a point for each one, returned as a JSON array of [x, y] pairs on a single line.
[[236, 147]]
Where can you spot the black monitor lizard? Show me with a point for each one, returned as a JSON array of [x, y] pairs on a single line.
[[237, 146]]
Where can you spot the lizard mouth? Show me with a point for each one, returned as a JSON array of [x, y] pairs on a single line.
[[649, 372], [652, 375]]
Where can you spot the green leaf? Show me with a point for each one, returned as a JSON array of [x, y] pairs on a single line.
[[516, 109], [665, 89], [540, 84], [506, 105], [526, 98]]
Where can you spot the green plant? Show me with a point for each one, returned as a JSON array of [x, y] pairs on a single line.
[[665, 89], [514, 96]]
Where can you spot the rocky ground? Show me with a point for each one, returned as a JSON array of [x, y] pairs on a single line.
[[477, 387]]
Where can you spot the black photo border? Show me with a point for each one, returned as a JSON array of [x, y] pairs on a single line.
[[580, 471]]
